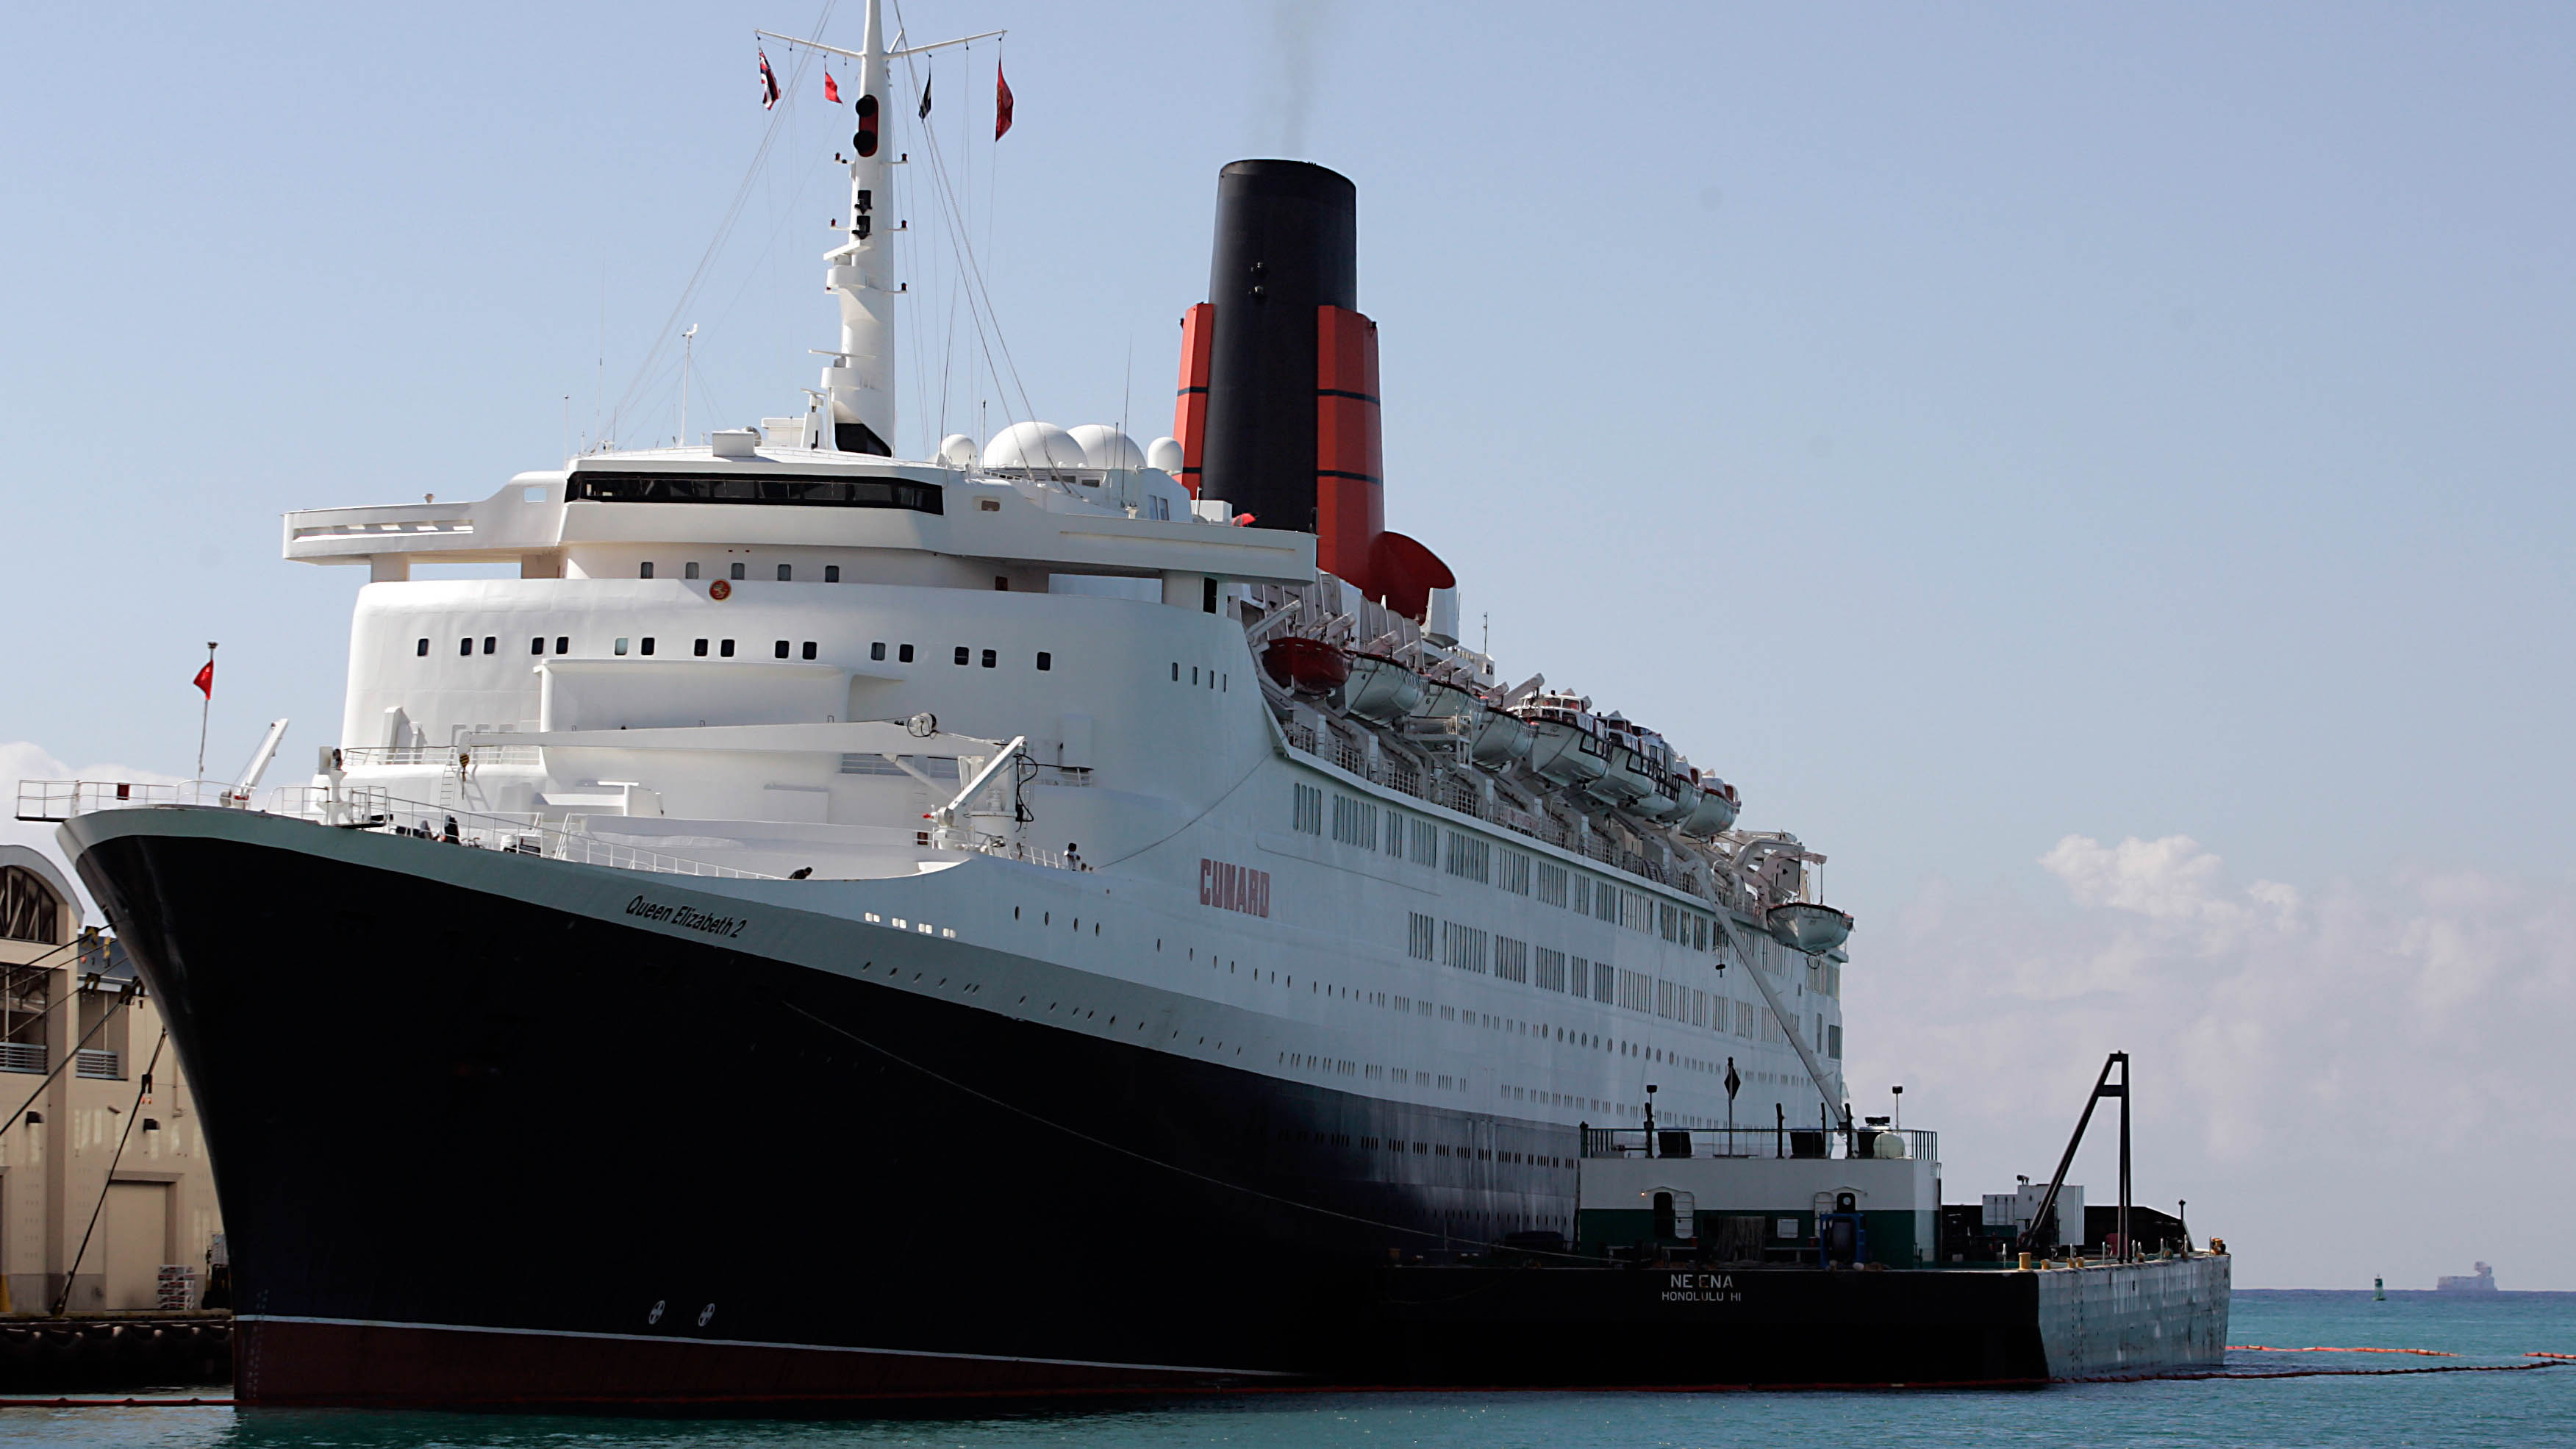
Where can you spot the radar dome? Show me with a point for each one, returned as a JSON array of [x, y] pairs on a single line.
[[957, 450], [1105, 447], [1042, 446], [1164, 453]]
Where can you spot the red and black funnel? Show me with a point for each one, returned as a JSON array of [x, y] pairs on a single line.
[[1278, 407]]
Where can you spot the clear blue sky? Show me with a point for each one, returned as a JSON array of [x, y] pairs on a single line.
[[1962, 426]]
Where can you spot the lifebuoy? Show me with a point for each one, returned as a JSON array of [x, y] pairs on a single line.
[[720, 591]]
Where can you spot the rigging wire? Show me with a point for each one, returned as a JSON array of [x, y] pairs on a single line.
[[724, 228], [143, 1089]]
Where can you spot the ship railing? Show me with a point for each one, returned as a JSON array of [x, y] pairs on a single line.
[[59, 800], [1811, 1141]]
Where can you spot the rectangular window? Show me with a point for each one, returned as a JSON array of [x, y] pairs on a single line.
[[563, 644], [1463, 947], [647, 571], [876, 651], [537, 645], [1513, 873], [1426, 842], [699, 649], [1470, 857], [464, 648], [779, 651], [1551, 883], [786, 572], [1001, 583], [904, 655], [725, 649], [647, 644], [963, 656], [688, 571], [491, 644], [1636, 990], [831, 573], [1417, 935], [1699, 1008], [991, 658], [1605, 979], [1583, 895], [736, 572], [1511, 959], [1309, 810], [421, 650], [1395, 833], [1551, 970], [1668, 920], [621, 646], [809, 648], [1355, 822], [1046, 661], [1834, 1041]]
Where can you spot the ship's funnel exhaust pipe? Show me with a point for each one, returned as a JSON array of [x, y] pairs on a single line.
[[1278, 408]]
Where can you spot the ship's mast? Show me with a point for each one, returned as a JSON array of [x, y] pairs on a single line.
[[857, 395], [858, 382]]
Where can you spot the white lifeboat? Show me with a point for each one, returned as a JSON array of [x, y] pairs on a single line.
[[1715, 812], [1381, 689], [1807, 926], [1564, 748], [1500, 739]]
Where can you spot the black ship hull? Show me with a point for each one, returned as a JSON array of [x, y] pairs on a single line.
[[474, 1148]]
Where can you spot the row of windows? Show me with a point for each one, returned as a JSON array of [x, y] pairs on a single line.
[[1469, 856], [724, 649], [1468, 948], [1221, 683], [786, 572]]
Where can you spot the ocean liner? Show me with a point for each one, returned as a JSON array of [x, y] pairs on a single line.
[[1047, 918]]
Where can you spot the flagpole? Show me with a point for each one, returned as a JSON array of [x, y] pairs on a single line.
[[205, 709]]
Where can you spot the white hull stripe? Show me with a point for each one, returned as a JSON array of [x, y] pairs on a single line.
[[759, 1343]]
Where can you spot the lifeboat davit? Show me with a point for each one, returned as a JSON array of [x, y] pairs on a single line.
[[1807, 926], [1309, 666], [1716, 811], [1381, 689]]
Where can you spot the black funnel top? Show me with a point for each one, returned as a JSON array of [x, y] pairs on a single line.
[[1287, 242]]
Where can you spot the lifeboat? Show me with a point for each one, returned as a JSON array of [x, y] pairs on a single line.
[[1627, 780], [1500, 739], [1381, 689], [1807, 926], [1564, 748], [1309, 666], [1715, 812]]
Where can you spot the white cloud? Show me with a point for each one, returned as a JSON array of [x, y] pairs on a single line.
[[22, 760], [2367, 1078]]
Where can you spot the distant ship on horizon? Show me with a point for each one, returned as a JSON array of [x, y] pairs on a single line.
[[2482, 1281]]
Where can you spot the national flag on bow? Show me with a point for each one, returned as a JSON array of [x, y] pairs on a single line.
[[768, 83], [831, 89], [206, 678], [1001, 104]]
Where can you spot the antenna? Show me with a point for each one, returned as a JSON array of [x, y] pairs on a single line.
[[688, 355]]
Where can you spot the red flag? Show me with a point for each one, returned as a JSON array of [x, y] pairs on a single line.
[[831, 89], [1001, 103], [206, 679], [768, 83]]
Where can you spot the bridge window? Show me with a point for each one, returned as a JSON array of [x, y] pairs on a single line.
[[563, 644], [737, 571], [809, 649], [537, 645], [490, 644], [1046, 661], [962, 655], [904, 655], [464, 648], [647, 571], [831, 573], [688, 571], [421, 650], [786, 572], [699, 649], [648, 643], [991, 658], [780, 651], [725, 649]]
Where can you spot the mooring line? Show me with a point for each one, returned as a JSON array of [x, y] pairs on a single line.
[[2314, 1348]]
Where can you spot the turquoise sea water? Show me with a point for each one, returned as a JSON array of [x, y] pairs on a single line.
[[2349, 1405]]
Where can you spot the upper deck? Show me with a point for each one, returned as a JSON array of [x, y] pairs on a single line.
[[595, 517]]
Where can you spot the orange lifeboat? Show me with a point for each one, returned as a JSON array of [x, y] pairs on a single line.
[[1309, 666]]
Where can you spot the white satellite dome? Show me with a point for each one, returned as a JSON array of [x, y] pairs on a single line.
[[1164, 453], [1105, 447], [1037, 445], [957, 450]]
